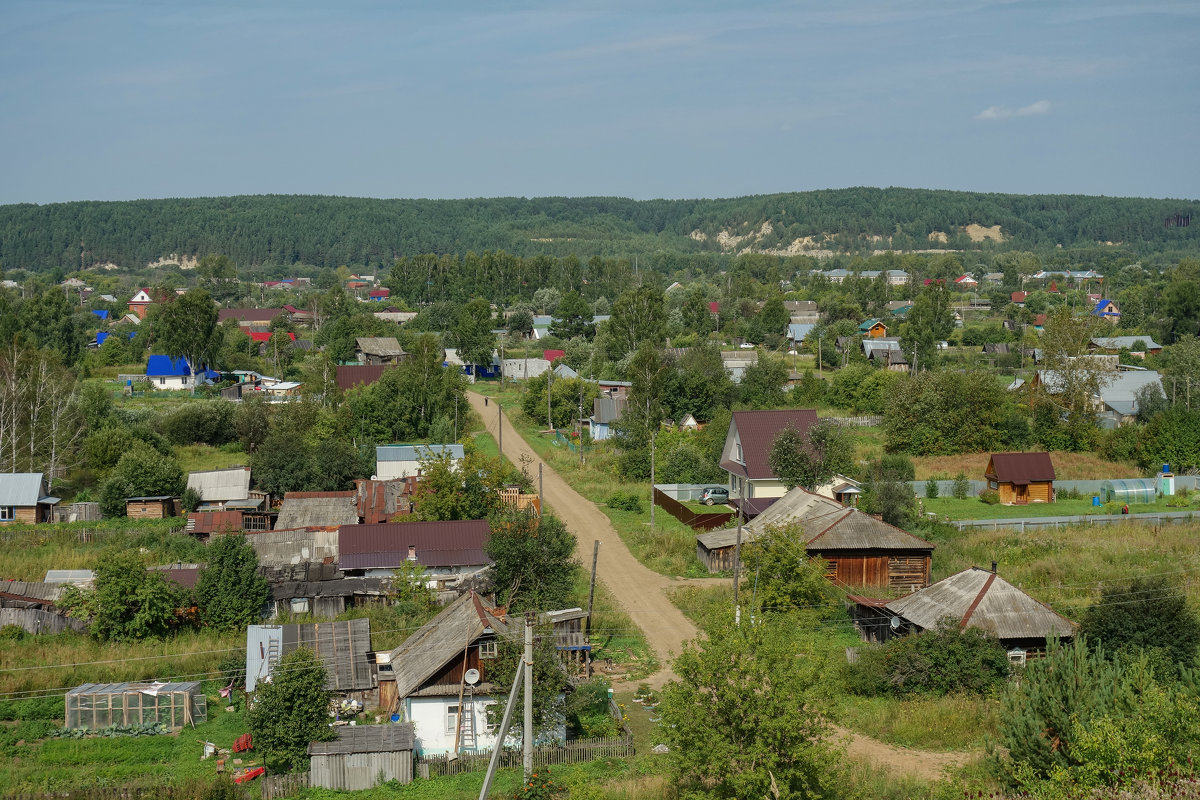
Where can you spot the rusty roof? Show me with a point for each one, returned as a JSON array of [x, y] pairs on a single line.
[[1020, 468], [757, 430], [214, 521], [453, 543]]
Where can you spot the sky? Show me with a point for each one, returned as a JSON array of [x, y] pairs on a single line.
[[103, 100]]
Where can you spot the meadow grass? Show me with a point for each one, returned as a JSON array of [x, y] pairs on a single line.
[[27, 551], [201, 457], [953, 722], [1067, 466], [974, 508]]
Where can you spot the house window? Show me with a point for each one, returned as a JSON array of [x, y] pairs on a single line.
[[738, 453], [451, 719], [488, 649], [162, 381], [8, 513], [993, 485]]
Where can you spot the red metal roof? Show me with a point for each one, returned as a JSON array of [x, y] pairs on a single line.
[[553, 355], [757, 430], [265, 336], [360, 374], [456, 543], [1021, 468]]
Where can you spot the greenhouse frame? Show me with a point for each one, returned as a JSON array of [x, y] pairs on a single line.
[[93, 706], [1129, 490]]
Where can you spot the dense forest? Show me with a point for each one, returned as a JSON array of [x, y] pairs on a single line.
[[368, 234]]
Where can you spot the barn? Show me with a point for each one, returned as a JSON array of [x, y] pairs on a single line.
[[1021, 478]]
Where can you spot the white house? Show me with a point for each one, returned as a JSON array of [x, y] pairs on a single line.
[[403, 460], [748, 444]]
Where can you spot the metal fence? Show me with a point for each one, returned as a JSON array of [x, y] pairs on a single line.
[[700, 521], [860, 421], [1036, 523]]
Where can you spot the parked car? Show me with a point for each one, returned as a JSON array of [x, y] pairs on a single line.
[[715, 495]]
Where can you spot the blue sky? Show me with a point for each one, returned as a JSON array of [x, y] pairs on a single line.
[[105, 100]]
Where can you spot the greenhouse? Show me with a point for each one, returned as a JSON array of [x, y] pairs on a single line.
[[99, 705], [1132, 490]]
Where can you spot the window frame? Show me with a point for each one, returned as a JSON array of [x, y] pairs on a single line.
[[8, 513], [489, 649]]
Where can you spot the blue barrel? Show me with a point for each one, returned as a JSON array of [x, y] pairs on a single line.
[[1095, 500]]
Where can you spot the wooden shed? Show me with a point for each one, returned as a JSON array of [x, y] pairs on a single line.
[[363, 757], [1021, 478], [159, 507]]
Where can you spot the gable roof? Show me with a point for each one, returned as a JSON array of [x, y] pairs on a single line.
[[1102, 309], [606, 409], [383, 346], [1021, 468], [453, 543], [21, 488], [867, 324], [441, 639], [979, 598], [854, 530], [757, 430], [317, 510], [168, 367], [360, 374], [219, 485], [1125, 342]]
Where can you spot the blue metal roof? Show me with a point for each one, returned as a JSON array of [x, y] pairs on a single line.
[[416, 452], [168, 367], [102, 313]]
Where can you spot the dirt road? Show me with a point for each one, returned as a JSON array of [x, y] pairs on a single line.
[[642, 593]]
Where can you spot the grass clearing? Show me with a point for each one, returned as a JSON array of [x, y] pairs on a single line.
[[201, 457], [29, 550], [954, 722]]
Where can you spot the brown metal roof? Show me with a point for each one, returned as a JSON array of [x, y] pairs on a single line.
[[978, 598], [854, 530], [1020, 468], [360, 374], [455, 543], [757, 430], [214, 521]]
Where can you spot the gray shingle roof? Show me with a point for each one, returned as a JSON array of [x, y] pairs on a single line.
[[318, 510]]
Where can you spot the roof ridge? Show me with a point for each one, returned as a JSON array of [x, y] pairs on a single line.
[[832, 525], [978, 599]]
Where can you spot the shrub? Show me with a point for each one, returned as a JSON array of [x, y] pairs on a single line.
[[12, 633], [935, 662], [625, 501], [990, 496], [962, 486], [49, 708], [931, 489]]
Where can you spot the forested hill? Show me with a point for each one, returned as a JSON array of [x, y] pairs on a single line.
[[330, 231]]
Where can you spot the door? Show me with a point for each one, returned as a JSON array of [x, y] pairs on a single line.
[[1022, 495]]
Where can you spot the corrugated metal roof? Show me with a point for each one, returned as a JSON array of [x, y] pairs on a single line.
[[360, 374], [73, 576], [416, 452], [1021, 468], [20, 488], [383, 346], [454, 543], [219, 485], [294, 547], [367, 739], [757, 430], [854, 530], [994, 605], [32, 590]]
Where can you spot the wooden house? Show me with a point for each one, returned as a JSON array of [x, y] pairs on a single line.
[[973, 598], [23, 498], [1021, 478], [440, 677], [872, 329], [157, 507], [378, 350], [317, 510], [859, 549], [343, 647], [363, 757], [1107, 309]]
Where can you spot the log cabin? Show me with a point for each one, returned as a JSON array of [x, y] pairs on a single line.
[[23, 498], [1021, 478]]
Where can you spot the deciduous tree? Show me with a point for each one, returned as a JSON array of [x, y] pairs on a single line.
[[290, 711], [229, 591]]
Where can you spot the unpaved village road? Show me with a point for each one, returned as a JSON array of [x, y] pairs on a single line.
[[642, 593]]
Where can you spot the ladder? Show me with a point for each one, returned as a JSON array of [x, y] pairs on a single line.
[[466, 727], [272, 654]]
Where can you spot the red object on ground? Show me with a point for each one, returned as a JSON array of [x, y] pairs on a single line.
[[243, 743], [249, 776]]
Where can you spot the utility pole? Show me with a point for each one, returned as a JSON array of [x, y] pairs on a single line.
[[549, 421], [494, 762], [527, 736], [541, 498], [820, 370], [587, 634], [581, 424], [737, 565]]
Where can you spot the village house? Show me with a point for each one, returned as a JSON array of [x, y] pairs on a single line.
[[747, 445], [974, 598], [156, 507], [279, 548], [350, 376], [394, 461], [378, 350], [344, 648], [165, 372], [1138, 345], [440, 678], [872, 328], [605, 411], [224, 488], [1107, 309], [1117, 400], [317, 510], [140, 303], [737, 361], [858, 549], [23, 498], [319, 589], [248, 318], [363, 757], [450, 551], [1021, 478]]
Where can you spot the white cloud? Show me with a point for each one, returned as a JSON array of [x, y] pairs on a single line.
[[1003, 112]]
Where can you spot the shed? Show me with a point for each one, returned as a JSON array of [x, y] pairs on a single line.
[[343, 646], [23, 498], [1021, 478], [352, 375], [363, 757], [403, 460], [219, 486], [98, 705], [156, 507]]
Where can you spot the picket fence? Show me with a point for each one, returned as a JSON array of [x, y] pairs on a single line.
[[278, 786]]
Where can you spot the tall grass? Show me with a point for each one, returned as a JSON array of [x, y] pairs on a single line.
[[201, 457], [26, 552], [954, 722], [1067, 466]]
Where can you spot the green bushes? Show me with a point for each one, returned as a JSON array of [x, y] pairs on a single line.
[[625, 501], [42, 708], [200, 422], [936, 662], [989, 496]]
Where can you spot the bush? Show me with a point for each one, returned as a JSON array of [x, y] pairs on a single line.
[[50, 708], [625, 501], [990, 496], [931, 489], [12, 633], [935, 662]]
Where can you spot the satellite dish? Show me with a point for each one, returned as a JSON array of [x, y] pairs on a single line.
[[471, 676], [895, 623]]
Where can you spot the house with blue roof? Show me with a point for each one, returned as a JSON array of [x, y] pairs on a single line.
[[102, 313], [167, 372], [1107, 309], [394, 461]]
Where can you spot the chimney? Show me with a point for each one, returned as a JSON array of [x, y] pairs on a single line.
[[993, 567], [412, 555]]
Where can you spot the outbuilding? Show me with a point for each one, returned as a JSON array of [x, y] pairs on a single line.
[[363, 757], [1021, 478], [100, 705]]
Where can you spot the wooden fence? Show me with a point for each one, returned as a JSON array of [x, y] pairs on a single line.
[[276, 786], [693, 519], [573, 752], [861, 421]]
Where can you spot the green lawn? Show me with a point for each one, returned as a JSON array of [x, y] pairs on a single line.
[[201, 457]]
